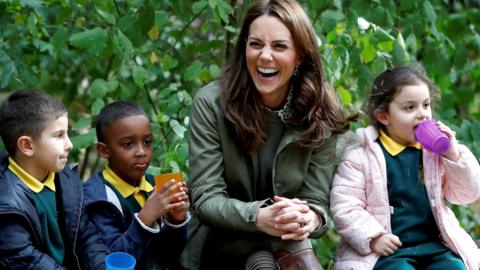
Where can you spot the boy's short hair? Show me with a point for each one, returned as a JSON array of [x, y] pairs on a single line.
[[25, 113], [115, 111]]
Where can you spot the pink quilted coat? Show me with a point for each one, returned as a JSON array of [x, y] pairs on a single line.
[[361, 211]]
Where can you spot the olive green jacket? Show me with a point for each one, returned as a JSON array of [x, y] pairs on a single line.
[[221, 174]]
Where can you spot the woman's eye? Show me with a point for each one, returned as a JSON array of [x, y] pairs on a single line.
[[255, 44], [281, 46]]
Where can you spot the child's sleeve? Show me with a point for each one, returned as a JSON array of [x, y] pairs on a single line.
[[110, 224], [16, 246], [461, 183], [170, 242], [90, 246], [348, 205]]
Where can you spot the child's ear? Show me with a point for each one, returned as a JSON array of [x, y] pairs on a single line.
[[25, 145], [381, 116], [102, 150]]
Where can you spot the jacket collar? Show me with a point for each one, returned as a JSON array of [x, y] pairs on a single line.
[[32, 183], [15, 197], [125, 188], [393, 147]]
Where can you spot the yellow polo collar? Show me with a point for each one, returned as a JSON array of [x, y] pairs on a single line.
[[125, 188], [393, 147], [32, 183]]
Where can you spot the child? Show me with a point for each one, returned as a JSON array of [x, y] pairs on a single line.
[[43, 224], [388, 195], [121, 201]]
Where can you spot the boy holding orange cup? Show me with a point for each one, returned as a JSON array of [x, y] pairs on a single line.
[[133, 216]]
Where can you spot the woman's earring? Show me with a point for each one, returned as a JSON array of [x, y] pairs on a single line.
[[295, 72]]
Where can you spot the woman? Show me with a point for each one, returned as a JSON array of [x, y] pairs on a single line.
[[262, 145]]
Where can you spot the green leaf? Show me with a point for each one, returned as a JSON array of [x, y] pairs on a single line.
[[35, 4], [153, 170], [193, 71], [95, 40], [430, 12], [81, 123], [400, 55], [345, 96], [368, 53], [169, 62], [386, 46], [199, 5], [107, 16], [214, 70], [161, 18], [122, 46], [224, 10], [32, 25], [162, 118], [43, 46], [231, 29], [7, 69], [59, 40], [177, 128], [97, 106], [331, 36], [212, 3], [84, 140], [174, 166], [184, 97], [100, 87], [140, 76]]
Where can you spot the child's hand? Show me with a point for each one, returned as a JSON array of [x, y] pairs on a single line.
[[385, 244], [452, 153], [179, 213], [160, 202]]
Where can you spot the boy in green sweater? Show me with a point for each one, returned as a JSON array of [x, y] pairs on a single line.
[[43, 224]]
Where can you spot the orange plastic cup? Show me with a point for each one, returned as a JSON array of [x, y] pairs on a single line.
[[163, 178]]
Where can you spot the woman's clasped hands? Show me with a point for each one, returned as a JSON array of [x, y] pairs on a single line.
[[290, 219]]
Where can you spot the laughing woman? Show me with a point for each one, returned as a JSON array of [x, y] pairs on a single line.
[[262, 145]]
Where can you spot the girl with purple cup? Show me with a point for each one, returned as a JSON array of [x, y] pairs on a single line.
[[388, 195]]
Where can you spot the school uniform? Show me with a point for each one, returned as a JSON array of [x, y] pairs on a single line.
[[412, 219], [43, 225], [113, 206], [362, 208]]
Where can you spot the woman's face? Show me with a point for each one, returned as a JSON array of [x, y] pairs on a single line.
[[271, 59]]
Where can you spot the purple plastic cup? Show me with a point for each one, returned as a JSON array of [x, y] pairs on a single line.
[[431, 138]]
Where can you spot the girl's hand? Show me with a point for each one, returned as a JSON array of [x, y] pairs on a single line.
[[452, 153], [385, 244]]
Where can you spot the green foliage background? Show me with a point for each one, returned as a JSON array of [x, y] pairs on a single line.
[[158, 53]]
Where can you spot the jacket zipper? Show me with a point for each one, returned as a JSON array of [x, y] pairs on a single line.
[[443, 232], [76, 235]]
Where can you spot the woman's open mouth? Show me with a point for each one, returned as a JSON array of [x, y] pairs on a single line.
[[267, 72]]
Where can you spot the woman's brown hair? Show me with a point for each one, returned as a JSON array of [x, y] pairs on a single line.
[[314, 103]]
